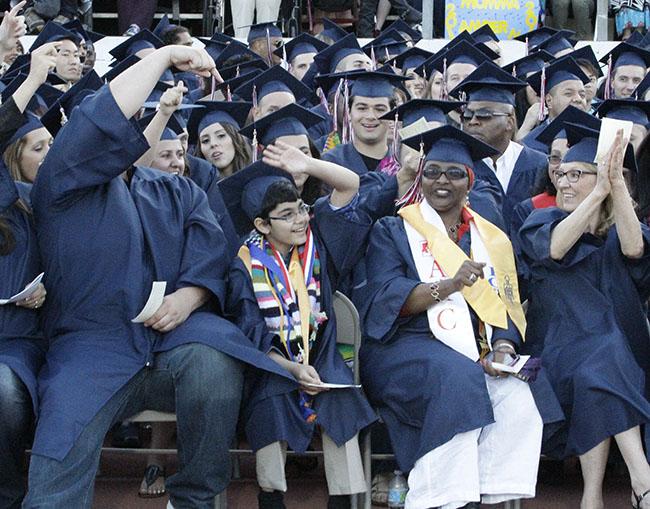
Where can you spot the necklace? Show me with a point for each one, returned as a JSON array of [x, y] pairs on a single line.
[[452, 230]]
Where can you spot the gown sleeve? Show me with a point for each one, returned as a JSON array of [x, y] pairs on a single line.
[[377, 194], [96, 145], [243, 310], [388, 284], [639, 268], [343, 233], [205, 257], [534, 241]]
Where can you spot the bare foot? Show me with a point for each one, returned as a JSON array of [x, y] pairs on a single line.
[[153, 484]]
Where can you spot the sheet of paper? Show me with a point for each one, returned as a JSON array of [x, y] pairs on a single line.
[[333, 386], [608, 129], [153, 302], [29, 289], [516, 368]]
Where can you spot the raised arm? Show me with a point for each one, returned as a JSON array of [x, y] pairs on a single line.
[[43, 59], [169, 103], [12, 28], [344, 183], [570, 229], [627, 224]]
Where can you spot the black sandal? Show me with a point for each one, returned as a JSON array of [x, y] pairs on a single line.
[[151, 475], [638, 499]]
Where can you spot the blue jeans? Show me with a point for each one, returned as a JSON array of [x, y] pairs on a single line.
[[15, 430], [202, 385]]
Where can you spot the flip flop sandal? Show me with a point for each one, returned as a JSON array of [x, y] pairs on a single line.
[[638, 499], [151, 474]]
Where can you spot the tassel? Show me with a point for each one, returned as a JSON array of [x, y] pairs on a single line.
[[254, 143], [608, 80], [542, 96], [395, 144], [310, 16], [373, 59], [237, 72], [64, 117], [228, 94], [445, 92], [347, 128], [527, 48], [254, 96], [323, 100], [285, 65], [387, 54], [213, 88], [337, 96], [268, 47], [414, 192]]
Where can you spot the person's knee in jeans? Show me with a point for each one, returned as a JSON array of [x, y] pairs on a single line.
[[15, 428]]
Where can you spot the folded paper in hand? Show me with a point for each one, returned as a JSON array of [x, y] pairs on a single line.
[[29, 289], [153, 302]]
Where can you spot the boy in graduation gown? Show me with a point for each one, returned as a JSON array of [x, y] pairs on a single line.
[[589, 266], [107, 231], [489, 115], [281, 293], [561, 84], [627, 66], [439, 277]]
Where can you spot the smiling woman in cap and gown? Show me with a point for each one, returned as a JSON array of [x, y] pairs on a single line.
[[466, 432], [282, 288], [590, 275]]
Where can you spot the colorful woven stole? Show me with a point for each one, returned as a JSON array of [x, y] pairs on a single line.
[[333, 139], [490, 307], [289, 298]]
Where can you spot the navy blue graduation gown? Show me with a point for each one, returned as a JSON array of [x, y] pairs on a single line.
[[587, 319], [528, 168], [206, 176], [22, 346], [530, 140], [425, 392], [322, 129], [104, 241], [272, 412], [347, 156]]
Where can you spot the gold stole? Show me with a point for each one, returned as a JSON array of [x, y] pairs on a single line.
[[490, 307]]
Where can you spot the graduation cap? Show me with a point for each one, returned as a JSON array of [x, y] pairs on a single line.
[[536, 37], [587, 54], [235, 82], [20, 64], [327, 60], [53, 32], [627, 54], [488, 82], [636, 112], [275, 79], [118, 67], [450, 145], [32, 123], [430, 110], [557, 42], [168, 132], [300, 45], [60, 111], [642, 88], [461, 53], [163, 27], [244, 191], [291, 120], [404, 28], [564, 69], [485, 34], [87, 35], [637, 39], [583, 146], [222, 112], [260, 30], [555, 129], [232, 71], [332, 30], [390, 42], [531, 63], [233, 54], [45, 95], [215, 48], [142, 40], [410, 59], [374, 83]]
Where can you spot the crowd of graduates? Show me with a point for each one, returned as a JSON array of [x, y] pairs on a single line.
[[498, 258]]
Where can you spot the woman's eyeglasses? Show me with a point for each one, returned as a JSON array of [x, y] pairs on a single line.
[[435, 172], [291, 217], [571, 175]]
